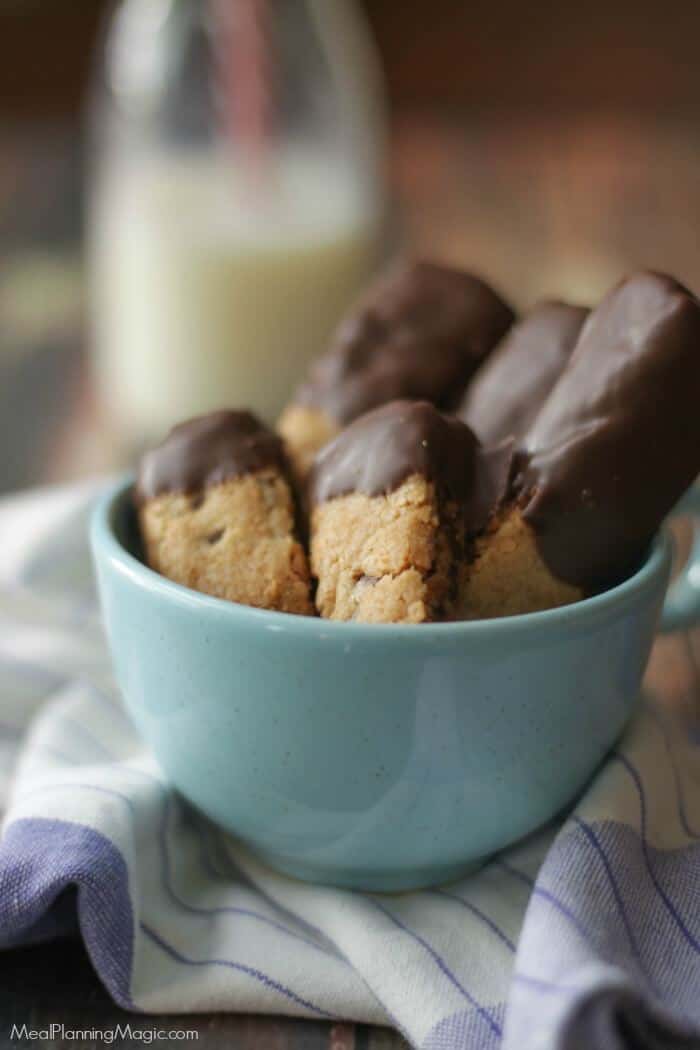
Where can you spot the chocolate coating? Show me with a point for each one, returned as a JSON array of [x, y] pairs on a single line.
[[420, 332], [618, 440], [206, 451], [509, 388], [381, 449]]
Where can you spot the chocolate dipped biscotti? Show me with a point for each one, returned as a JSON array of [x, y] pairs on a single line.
[[421, 331], [608, 455], [511, 385], [216, 513], [394, 499]]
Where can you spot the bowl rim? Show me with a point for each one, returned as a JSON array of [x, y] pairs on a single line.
[[611, 602]]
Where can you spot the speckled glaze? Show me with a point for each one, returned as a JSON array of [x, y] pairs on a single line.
[[374, 757]]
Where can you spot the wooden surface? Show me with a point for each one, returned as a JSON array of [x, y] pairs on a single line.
[[633, 54], [540, 208], [55, 984]]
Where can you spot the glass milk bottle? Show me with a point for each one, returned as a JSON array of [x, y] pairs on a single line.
[[237, 200]]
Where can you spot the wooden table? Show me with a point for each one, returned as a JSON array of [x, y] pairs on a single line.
[[55, 984], [543, 209]]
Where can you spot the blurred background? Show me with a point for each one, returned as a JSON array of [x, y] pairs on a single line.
[[551, 147]]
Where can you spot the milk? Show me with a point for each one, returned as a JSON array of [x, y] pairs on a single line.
[[209, 291]]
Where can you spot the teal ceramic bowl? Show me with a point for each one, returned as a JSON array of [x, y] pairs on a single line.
[[376, 757]]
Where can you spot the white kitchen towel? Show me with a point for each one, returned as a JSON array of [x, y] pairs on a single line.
[[587, 935]]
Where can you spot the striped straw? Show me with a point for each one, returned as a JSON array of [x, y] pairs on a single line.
[[244, 67]]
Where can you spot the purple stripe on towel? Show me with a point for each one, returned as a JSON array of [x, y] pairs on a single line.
[[549, 897], [210, 912], [441, 965], [40, 860], [465, 1030], [615, 889], [232, 964], [670, 906], [478, 914], [682, 811]]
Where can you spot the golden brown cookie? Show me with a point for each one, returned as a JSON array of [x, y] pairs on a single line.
[[507, 575], [394, 500], [390, 558], [305, 430], [216, 513]]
